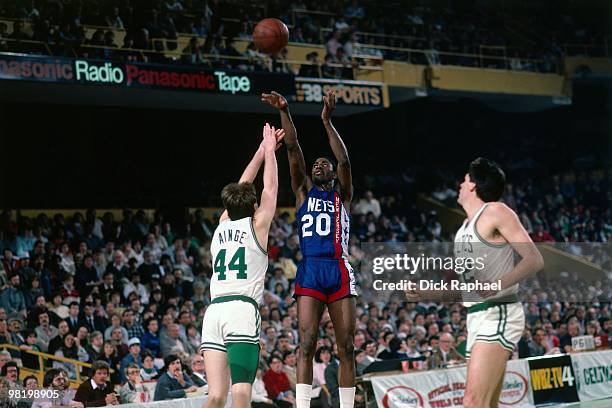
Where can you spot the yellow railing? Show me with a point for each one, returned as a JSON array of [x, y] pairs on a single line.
[[42, 358], [365, 34]]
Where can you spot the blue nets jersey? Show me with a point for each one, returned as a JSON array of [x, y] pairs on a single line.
[[324, 225]]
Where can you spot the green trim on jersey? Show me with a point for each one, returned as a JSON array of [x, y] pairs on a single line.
[[208, 345], [229, 298], [484, 241], [487, 304], [255, 238]]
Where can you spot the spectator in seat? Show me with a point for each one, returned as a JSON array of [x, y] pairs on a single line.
[[90, 320], [133, 390], [12, 299], [118, 267], [56, 342], [73, 316], [69, 292], [198, 370], [45, 332], [445, 354], [259, 395], [56, 379], [97, 391], [133, 357], [29, 360], [10, 371], [134, 285], [5, 357], [109, 285], [277, 383], [333, 44], [290, 367], [111, 357], [149, 269], [70, 349], [573, 330], [116, 324], [95, 348], [133, 328], [173, 383], [9, 262], [148, 370], [322, 359], [87, 276], [327, 69], [172, 342], [114, 19], [368, 204], [150, 340]]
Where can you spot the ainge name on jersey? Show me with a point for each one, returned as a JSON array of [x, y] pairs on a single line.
[[318, 205], [232, 235]]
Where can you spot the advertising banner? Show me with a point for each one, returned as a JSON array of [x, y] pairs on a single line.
[[140, 75], [552, 380], [593, 374], [355, 93], [445, 388]]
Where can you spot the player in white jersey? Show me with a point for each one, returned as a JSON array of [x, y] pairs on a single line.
[[495, 322], [230, 331]]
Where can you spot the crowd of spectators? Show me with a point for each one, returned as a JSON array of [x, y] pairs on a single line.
[[571, 207], [354, 32], [129, 294]]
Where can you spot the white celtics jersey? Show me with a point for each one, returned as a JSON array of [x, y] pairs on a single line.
[[496, 260], [239, 262]]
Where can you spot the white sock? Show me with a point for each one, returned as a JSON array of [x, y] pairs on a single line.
[[302, 395], [347, 397]]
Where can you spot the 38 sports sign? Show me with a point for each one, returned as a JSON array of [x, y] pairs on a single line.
[[355, 93], [553, 380]]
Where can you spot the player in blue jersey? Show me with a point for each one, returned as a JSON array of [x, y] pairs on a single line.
[[324, 276]]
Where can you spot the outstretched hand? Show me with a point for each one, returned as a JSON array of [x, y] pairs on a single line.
[[275, 100], [277, 136], [329, 104], [272, 137]]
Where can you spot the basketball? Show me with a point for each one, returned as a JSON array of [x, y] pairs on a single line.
[[270, 35]]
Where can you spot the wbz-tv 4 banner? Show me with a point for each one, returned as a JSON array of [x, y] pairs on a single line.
[[140, 75], [550, 380]]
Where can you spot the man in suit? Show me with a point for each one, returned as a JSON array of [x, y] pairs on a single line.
[[87, 276], [73, 318], [109, 285], [199, 370], [173, 383], [446, 354], [90, 320], [97, 391], [118, 267]]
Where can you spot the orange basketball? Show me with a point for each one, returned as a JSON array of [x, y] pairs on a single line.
[[270, 35]]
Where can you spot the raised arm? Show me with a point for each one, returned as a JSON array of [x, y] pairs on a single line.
[[267, 207], [345, 177], [251, 170], [300, 183]]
